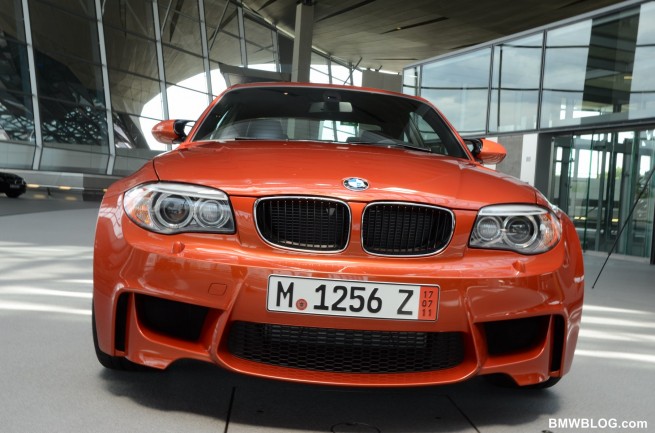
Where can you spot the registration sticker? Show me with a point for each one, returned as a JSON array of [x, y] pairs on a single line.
[[352, 298]]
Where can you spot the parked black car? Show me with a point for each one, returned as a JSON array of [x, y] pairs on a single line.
[[12, 185]]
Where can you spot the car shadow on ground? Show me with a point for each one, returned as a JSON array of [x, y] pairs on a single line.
[[247, 403]]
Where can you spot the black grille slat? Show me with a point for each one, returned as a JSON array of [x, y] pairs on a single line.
[[405, 229], [345, 351], [320, 224], [304, 223]]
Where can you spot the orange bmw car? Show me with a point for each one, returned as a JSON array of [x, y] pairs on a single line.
[[334, 235]]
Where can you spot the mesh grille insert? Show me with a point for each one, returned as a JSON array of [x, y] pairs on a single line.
[[346, 351], [403, 229], [304, 223]]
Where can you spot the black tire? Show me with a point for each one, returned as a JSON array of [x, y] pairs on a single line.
[[507, 382], [13, 194], [119, 363]]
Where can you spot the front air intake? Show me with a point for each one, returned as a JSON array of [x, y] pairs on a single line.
[[304, 223], [406, 229], [346, 350]]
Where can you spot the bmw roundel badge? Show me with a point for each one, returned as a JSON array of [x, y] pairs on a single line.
[[355, 184]]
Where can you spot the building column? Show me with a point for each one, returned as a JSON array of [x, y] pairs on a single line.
[[160, 61], [302, 43], [242, 35], [36, 111], [205, 51], [107, 91]]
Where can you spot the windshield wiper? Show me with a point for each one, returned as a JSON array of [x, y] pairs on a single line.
[[250, 138], [391, 142], [409, 146]]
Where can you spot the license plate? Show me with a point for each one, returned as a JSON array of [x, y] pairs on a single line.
[[352, 298], [14, 186]]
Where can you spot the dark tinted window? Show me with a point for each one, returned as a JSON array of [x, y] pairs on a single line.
[[331, 115]]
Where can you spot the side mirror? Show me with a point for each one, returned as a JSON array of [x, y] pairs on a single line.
[[486, 151], [170, 131]]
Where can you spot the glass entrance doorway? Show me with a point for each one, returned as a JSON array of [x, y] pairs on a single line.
[[596, 178]]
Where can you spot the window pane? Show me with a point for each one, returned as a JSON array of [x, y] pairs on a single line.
[[567, 50], [185, 104], [465, 71], [410, 81], [137, 107], [566, 69], [70, 80], [151, 114], [130, 93], [80, 7], [16, 117], [184, 69], [513, 110], [595, 71], [64, 123], [641, 225], [515, 85], [340, 73], [134, 16], [134, 132], [646, 28], [285, 48], [598, 178], [214, 10], [180, 24], [131, 53], [318, 72], [459, 87], [15, 73], [223, 45], [570, 36], [11, 20], [642, 98], [259, 46], [80, 38], [67, 62]]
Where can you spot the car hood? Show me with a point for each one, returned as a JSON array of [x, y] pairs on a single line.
[[264, 168]]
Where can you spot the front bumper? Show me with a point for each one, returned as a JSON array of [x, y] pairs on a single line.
[[161, 298]]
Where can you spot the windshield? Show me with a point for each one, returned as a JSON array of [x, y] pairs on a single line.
[[328, 114]]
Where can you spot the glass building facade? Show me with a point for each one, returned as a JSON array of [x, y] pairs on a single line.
[[83, 82], [574, 103]]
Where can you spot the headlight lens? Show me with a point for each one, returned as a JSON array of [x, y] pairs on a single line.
[[525, 229], [175, 208]]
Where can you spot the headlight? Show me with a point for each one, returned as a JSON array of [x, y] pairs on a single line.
[[175, 208], [525, 229]]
